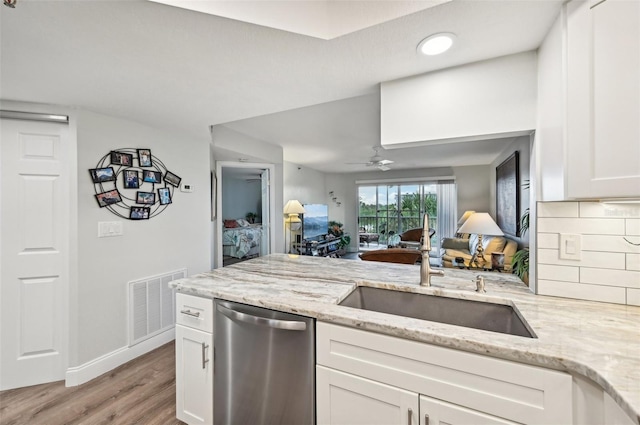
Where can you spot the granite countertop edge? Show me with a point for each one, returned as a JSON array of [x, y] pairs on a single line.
[[291, 285]]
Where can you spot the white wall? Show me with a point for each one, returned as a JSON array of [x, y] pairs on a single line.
[[474, 188], [177, 238], [239, 197], [550, 146], [472, 182], [609, 267], [472, 101], [304, 184], [523, 146]]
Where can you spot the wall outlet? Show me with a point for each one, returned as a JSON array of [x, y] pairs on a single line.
[[186, 188], [109, 228], [570, 246]]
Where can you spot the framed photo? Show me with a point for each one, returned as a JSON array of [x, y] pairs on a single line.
[[144, 157], [172, 179], [108, 198], [131, 179], [149, 176], [164, 194], [508, 195], [100, 175], [148, 198], [119, 158], [139, 213]]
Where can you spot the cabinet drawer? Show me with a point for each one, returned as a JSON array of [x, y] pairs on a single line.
[[194, 312], [514, 391]]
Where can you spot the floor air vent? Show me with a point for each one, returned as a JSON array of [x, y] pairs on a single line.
[[152, 305]]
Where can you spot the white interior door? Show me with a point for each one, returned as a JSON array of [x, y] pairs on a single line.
[[266, 216], [268, 206], [34, 248]]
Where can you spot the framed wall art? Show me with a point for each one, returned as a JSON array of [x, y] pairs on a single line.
[[145, 198], [100, 175], [172, 179], [121, 158], [144, 158], [164, 194], [508, 195], [108, 198], [123, 169]]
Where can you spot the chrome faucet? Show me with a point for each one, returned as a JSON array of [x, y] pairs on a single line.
[[425, 268]]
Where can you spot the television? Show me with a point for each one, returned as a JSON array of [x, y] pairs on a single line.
[[315, 221]]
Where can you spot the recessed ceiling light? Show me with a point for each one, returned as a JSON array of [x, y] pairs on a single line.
[[436, 43]]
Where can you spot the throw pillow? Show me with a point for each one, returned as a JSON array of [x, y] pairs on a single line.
[[494, 244], [230, 224], [242, 222]]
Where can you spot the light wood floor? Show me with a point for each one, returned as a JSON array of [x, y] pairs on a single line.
[[142, 391]]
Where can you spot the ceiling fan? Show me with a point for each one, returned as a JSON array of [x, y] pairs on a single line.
[[376, 161]]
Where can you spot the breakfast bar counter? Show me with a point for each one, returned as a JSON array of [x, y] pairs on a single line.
[[598, 341]]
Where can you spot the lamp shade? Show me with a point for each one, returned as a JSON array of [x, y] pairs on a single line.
[[293, 207], [465, 217], [481, 224]]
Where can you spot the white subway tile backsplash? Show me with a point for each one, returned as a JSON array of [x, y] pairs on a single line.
[[585, 226], [625, 278], [599, 210], [609, 266], [609, 294], [549, 240], [606, 243], [633, 296], [558, 209], [564, 273], [633, 262], [632, 226], [605, 260]]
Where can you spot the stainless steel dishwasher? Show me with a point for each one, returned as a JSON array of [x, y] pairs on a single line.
[[264, 366]]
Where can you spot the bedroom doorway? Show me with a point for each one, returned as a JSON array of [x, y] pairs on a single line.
[[244, 208]]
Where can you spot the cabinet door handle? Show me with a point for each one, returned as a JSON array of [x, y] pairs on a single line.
[[409, 416], [190, 313], [204, 359], [426, 419]]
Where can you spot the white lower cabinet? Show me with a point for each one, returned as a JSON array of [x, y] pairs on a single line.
[[342, 398], [194, 360], [345, 399], [366, 377], [437, 412]]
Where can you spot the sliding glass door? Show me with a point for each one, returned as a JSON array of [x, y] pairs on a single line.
[[388, 209]]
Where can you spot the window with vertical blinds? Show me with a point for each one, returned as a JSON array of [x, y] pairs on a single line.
[[392, 207]]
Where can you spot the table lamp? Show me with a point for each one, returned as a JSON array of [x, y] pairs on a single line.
[[292, 210], [480, 224], [464, 218]]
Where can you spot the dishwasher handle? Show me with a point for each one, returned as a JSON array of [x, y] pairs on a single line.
[[289, 325]]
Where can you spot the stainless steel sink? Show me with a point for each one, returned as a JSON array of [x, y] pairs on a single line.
[[453, 311]]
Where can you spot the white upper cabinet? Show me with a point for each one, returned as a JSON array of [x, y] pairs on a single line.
[[603, 99]]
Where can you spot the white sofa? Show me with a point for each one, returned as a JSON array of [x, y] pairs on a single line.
[[457, 248]]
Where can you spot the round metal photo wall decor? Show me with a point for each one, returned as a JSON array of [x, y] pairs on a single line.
[[133, 184]]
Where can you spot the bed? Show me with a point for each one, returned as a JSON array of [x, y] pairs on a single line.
[[241, 241]]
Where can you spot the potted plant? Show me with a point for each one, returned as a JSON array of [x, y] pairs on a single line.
[[521, 258], [335, 228], [251, 217]]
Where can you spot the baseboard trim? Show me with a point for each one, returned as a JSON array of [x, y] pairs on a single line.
[[103, 364]]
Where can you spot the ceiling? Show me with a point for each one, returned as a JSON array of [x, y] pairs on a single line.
[[183, 71]]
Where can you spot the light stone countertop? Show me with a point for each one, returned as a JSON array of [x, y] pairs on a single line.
[[597, 340]]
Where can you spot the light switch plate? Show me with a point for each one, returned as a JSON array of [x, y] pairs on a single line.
[[570, 246], [188, 188], [109, 228]]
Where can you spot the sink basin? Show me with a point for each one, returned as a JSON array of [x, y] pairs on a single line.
[[453, 311]]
